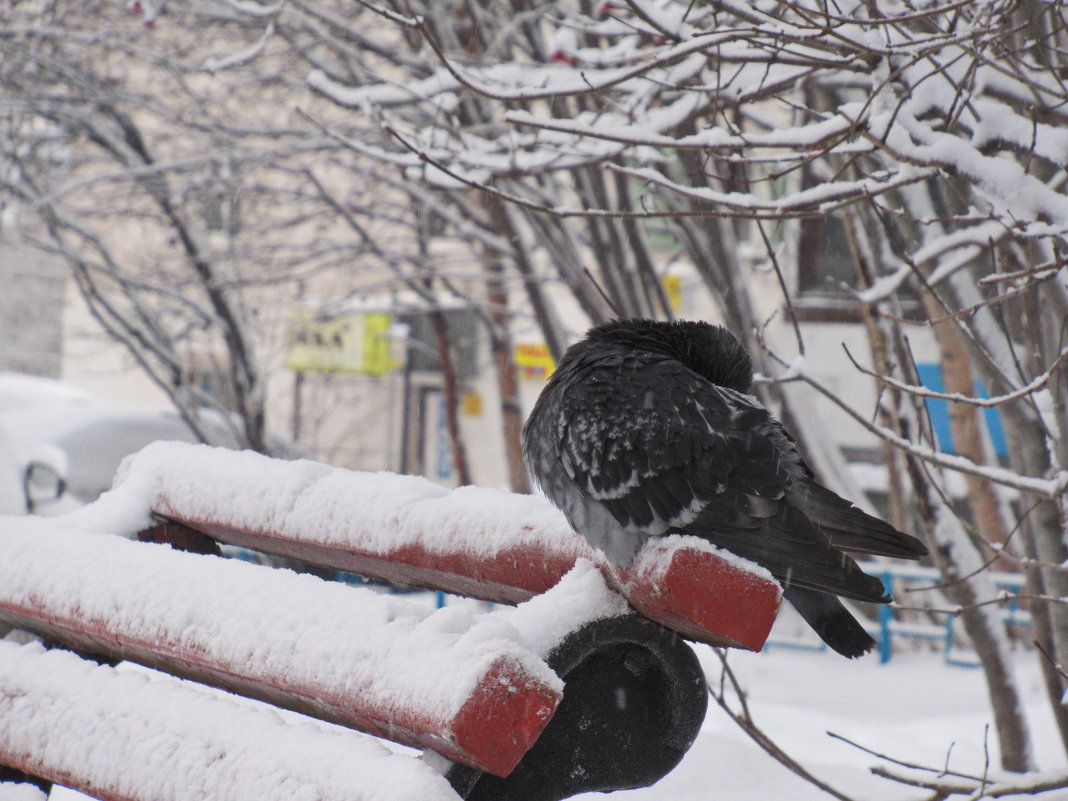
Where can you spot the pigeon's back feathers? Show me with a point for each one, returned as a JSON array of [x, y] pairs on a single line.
[[645, 429], [628, 427]]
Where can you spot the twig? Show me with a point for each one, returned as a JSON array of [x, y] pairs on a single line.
[[602, 293], [1037, 383], [1045, 487], [1049, 658], [782, 285], [1040, 783], [745, 722], [957, 611], [665, 58], [944, 771], [986, 760]]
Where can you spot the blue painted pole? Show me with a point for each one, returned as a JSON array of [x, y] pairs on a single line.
[[886, 615]]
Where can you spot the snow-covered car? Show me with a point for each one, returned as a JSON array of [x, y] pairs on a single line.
[[12, 496], [71, 451], [60, 447], [21, 391]]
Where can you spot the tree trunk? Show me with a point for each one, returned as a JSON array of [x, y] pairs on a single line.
[[1042, 526], [966, 423], [966, 581], [450, 393], [957, 559], [511, 415], [501, 346]]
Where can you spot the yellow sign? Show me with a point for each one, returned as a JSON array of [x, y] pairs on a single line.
[[533, 360], [348, 343], [376, 357], [471, 404], [673, 291]]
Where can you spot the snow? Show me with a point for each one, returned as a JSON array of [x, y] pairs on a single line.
[[12, 496], [279, 627], [310, 501], [1046, 407], [950, 252], [916, 708], [355, 650], [824, 195], [176, 743], [217, 63], [652, 559], [12, 791], [885, 285], [950, 537], [505, 81], [1011, 190], [366, 97], [617, 128], [579, 598], [21, 391], [1051, 487]]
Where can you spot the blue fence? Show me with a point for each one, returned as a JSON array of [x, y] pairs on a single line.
[[890, 630]]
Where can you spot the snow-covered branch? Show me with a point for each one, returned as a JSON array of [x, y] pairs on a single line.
[[1053, 487], [977, 788], [1036, 384]]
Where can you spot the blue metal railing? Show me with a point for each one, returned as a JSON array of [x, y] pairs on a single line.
[[888, 627]]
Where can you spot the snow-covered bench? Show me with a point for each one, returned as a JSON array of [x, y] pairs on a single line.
[[569, 691]]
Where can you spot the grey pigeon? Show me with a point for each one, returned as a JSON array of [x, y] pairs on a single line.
[[646, 428]]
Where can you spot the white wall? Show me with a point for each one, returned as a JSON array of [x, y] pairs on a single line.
[[95, 362]]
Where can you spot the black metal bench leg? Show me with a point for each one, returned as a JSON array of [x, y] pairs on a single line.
[[20, 777], [634, 701]]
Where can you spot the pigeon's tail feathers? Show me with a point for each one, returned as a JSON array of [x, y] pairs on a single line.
[[852, 529], [788, 545], [831, 621]]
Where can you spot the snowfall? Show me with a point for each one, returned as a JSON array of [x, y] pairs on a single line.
[[832, 715]]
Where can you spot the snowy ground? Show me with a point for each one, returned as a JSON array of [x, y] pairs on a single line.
[[916, 708]]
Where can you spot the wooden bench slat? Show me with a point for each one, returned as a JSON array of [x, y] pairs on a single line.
[[347, 655], [123, 736], [474, 541]]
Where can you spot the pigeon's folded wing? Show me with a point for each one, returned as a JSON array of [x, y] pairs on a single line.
[[653, 443]]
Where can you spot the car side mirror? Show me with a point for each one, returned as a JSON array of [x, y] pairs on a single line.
[[43, 484]]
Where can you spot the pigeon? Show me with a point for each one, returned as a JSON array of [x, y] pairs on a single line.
[[648, 428]]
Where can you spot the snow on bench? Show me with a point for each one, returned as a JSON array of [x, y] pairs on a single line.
[[90, 728], [462, 684], [473, 541], [21, 791], [122, 735]]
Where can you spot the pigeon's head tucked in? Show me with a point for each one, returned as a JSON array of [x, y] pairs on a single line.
[[646, 429], [711, 351]]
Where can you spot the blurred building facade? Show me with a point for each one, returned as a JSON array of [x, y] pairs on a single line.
[[31, 310]]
